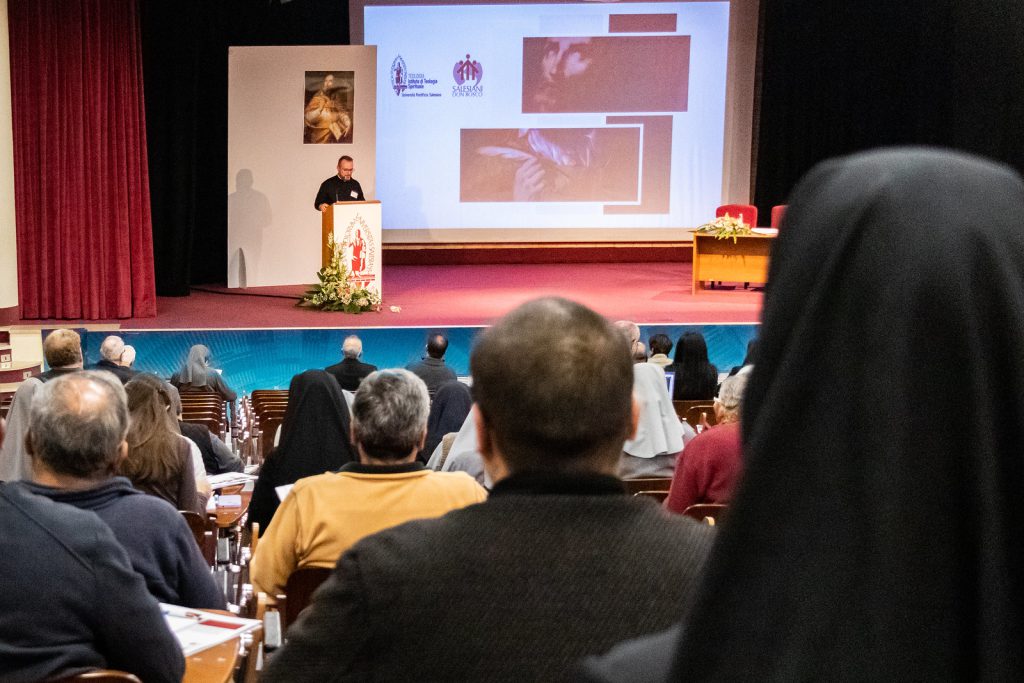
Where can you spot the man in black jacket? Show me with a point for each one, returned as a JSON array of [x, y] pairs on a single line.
[[111, 353], [559, 563], [351, 371]]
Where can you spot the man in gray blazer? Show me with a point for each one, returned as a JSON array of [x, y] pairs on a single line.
[[558, 564]]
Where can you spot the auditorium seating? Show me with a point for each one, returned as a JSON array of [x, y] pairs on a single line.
[[746, 212], [691, 411], [778, 211], [708, 513]]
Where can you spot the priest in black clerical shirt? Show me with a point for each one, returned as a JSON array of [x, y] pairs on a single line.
[[339, 188]]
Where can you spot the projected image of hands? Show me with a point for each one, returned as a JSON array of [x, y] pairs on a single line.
[[550, 164]]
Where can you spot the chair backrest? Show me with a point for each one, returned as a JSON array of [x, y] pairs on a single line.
[[102, 676], [708, 513], [299, 591], [635, 486], [659, 496], [778, 211], [748, 212], [268, 428], [704, 408], [205, 534]]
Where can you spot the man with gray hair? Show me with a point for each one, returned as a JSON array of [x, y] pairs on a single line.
[[79, 424], [324, 515], [710, 465], [112, 352], [71, 600], [558, 563], [351, 371]]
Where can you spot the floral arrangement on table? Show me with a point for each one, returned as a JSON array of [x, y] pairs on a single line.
[[725, 227], [334, 291]]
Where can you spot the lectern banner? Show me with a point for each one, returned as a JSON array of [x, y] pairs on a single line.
[[356, 229]]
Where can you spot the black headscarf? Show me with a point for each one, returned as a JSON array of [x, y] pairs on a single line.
[[314, 440], [878, 531], [447, 413]]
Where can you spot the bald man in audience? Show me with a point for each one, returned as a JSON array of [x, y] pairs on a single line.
[[557, 564], [112, 352], [62, 350], [351, 371], [76, 437], [324, 515], [71, 600]]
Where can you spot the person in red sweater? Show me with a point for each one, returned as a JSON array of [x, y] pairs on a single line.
[[710, 465]]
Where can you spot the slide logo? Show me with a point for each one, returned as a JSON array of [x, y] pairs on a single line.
[[399, 75], [467, 74]]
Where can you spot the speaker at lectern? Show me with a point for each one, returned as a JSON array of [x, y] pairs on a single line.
[[356, 230]]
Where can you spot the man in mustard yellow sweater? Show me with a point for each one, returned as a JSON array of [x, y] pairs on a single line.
[[324, 515]]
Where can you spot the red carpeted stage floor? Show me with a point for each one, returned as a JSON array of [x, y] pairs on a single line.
[[469, 295]]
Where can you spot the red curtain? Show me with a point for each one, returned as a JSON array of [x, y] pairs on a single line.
[[81, 185]]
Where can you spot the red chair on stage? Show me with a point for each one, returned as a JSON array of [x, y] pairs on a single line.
[[746, 212], [778, 211]]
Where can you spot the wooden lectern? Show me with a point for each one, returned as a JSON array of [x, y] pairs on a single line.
[[356, 228]]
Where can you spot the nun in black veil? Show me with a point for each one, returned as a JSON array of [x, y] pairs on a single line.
[[878, 531], [314, 440]]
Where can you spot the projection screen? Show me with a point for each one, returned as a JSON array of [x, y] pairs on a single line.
[[552, 121]]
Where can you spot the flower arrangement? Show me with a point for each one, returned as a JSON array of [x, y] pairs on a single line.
[[725, 227], [335, 292]]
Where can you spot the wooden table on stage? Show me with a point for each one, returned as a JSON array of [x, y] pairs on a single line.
[[216, 665], [745, 260]]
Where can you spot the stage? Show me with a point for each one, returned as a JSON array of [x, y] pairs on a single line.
[[261, 339], [467, 295]]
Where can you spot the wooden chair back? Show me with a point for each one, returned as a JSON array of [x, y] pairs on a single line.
[[299, 591], [268, 428], [693, 414], [102, 676], [709, 513], [205, 534], [635, 486], [658, 496]]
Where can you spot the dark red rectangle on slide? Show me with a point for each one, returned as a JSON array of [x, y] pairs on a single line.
[[642, 23], [606, 74], [550, 164]]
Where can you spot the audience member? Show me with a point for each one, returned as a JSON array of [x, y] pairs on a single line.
[[448, 411], [351, 371], [661, 346], [557, 563], [872, 537], [159, 460], [216, 456], [696, 377], [749, 359], [632, 333], [314, 439], [112, 351], [324, 515], [196, 376], [710, 466], [431, 369], [62, 350], [660, 436], [70, 601], [128, 357], [464, 454], [639, 352], [77, 435]]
